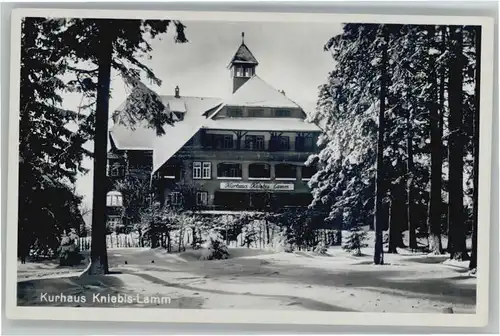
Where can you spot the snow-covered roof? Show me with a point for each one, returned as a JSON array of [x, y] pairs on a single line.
[[143, 137], [244, 55], [262, 124], [257, 93], [199, 113], [176, 105]]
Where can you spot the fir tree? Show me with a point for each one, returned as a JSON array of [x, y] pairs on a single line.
[[355, 241], [50, 154], [114, 44], [456, 226], [423, 114], [477, 74]]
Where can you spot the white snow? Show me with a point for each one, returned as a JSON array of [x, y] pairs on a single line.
[[144, 137], [257, 93], [177, 105], [433, 51], [261, 124], [260, 279]]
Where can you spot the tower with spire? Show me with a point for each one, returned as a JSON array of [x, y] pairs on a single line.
[[242, 65]]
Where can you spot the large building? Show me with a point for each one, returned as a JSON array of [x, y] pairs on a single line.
[[246, 152]]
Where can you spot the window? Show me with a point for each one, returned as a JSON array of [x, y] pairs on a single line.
[[116, 170], [218, 141], [234, 112], [254, 112], [282, 113], [308, 172], [284, 143], [175, 198], [254, 142], [196, 170], [280, 143], [207, 170], [286, 171], [223, 141], [259, 170], [114, 199], [229, 170], [239, 71], [227, 142], [248, 72], [202, 170], [201, 198], [304, 144], [179, 115], [114, 222]]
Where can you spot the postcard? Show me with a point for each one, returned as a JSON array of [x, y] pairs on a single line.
[[235, 167]]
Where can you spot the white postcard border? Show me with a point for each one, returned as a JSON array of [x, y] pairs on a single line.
[[252, 316]]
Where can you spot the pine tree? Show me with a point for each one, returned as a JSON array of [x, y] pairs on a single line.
[[355, 241], [115, 44], [50, 154], [136, 193], [435, 138], [456, 219], [477, 37], [436, 119], [378, 257], [345, 178], [427, 112]]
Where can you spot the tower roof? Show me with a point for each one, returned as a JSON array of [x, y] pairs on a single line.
[[243, 54]]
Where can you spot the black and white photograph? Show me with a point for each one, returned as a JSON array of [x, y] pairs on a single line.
[[172, 163]]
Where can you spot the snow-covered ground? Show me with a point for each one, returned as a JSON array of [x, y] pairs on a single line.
[[260, 279]]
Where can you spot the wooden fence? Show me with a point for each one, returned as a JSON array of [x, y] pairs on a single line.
[[264, 236], [112, 241]]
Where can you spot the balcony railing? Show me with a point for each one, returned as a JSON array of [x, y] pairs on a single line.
[[263, 146]]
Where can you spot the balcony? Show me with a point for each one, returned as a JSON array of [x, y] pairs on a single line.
[[260, 146]]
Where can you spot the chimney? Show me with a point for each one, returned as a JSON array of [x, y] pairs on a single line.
[[177, 95], [283, 92]]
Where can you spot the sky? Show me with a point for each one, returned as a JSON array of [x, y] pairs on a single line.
[[290, 56]]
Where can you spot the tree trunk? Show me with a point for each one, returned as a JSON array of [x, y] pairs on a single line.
[[169, 241], [193, 242], [268, 237], [378, 257], [393, 230], [435, 202], [181, 234], [410, 195], [473, 258], [98, 253], [456, 222]]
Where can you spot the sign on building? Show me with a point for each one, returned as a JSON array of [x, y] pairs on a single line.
[[256, 186]]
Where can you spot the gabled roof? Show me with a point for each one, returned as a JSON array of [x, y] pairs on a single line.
[[257, 93], [199, 113], [142, 137], [243, 55]]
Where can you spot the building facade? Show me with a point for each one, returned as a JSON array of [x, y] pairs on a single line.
[[246, 152]]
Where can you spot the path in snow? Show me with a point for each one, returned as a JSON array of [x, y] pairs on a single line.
[[256, 279]]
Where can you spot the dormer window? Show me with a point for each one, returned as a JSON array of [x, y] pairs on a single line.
[[256, 112], [282, 113], [179, 116], [248, 72], [243, 72], [234, 112], [239, 72]]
